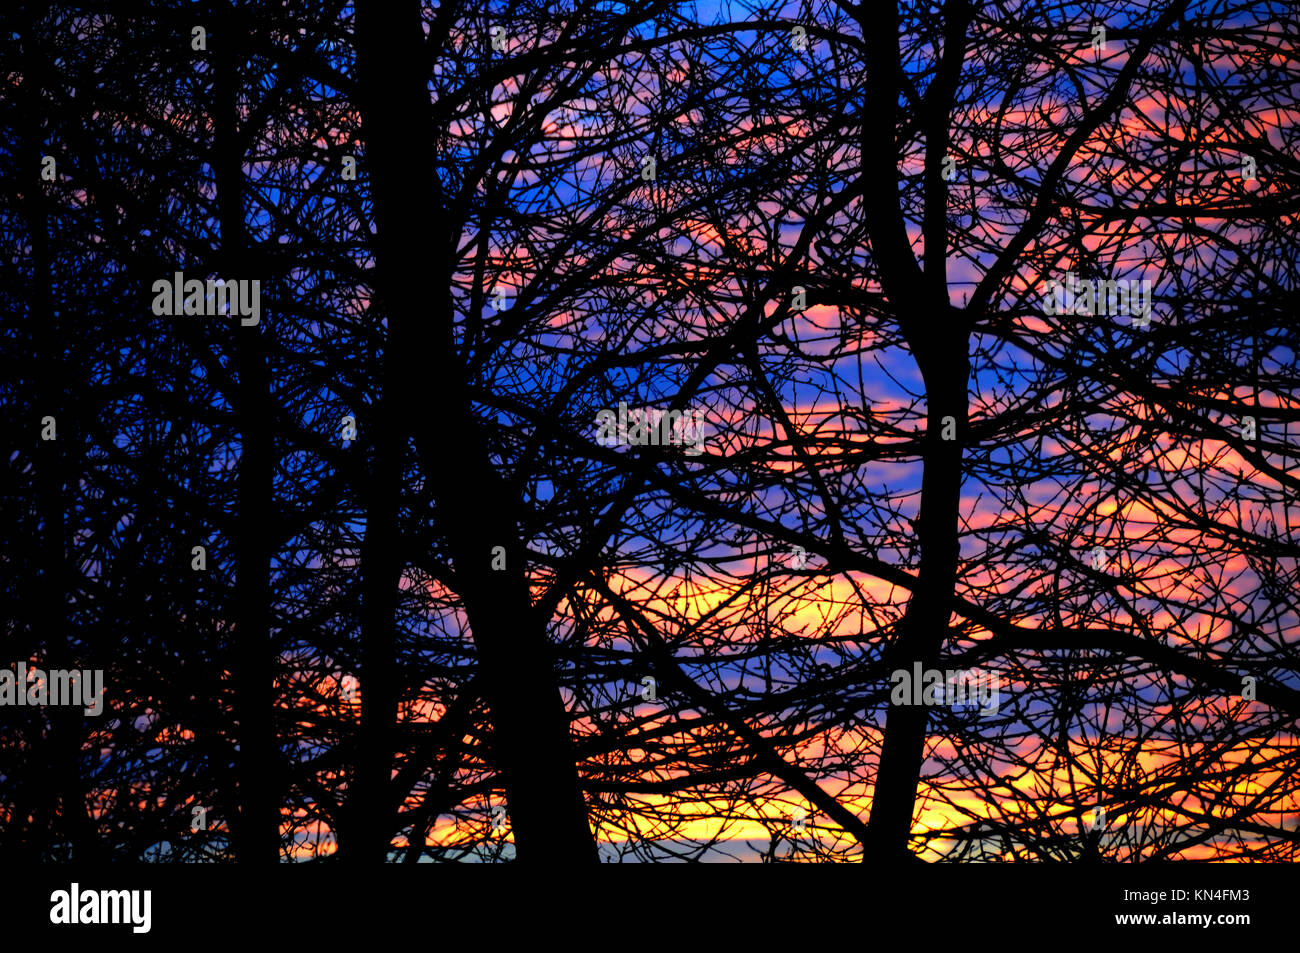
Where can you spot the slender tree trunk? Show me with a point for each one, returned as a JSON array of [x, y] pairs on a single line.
[[925, 623], [370, 806], [937, 337], [531, 744], [257, 832]]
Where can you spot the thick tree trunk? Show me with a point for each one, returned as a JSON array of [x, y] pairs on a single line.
[[58, 462], [531, 744]]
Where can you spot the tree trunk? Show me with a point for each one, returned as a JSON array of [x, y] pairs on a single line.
[[370, 807], [416, 238], [257, 831], [937, 337]]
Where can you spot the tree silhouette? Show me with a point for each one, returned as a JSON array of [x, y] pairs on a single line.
[[378, 577]]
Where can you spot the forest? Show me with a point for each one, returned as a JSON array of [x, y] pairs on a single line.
[[727, 431]]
